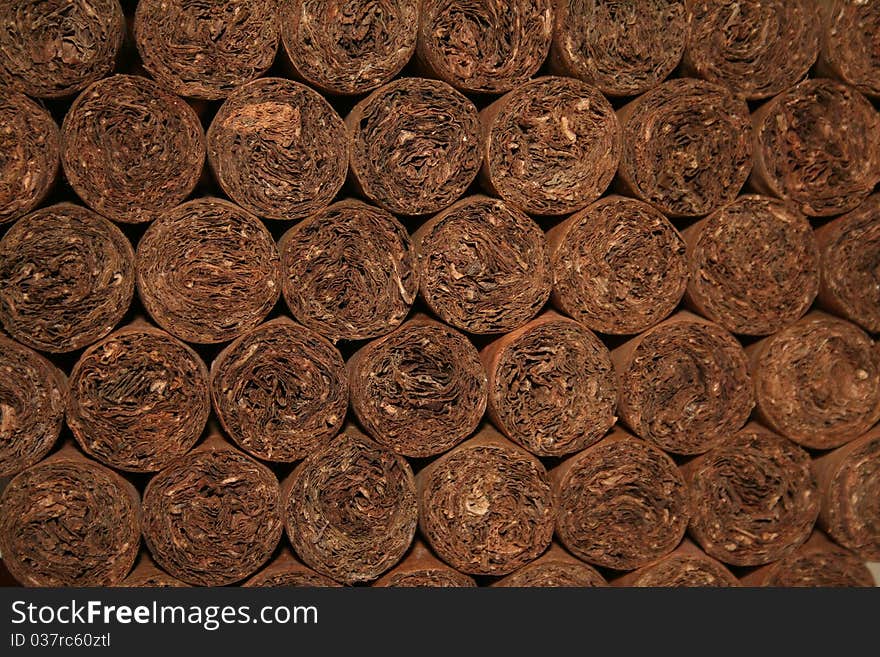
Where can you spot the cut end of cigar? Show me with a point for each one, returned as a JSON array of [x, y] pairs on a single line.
[[147, 574], [285, 571], [849, 32], [554, 569]]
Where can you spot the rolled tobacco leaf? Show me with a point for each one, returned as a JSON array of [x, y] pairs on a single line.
[[69, 521], [32, 396], [618, 266], [349, 250], [349, 47], [208, 271], [486, 507], [138, 399], [147, 574], [849, 47], [556, 568], [420, 389], [66, 278], [350, 508], [817, 145], [483, 266], [280, 390], [205, 50], [621, 503], [54, 48], [551, 146], [415, 145], [552, 387], [130, 149], [624, 48], [278, 149], [421, 569], [484, 47], [212, 517], [684, 384], [286, 570], [753, 265], [686, 147], [849, 248], [817, 382], [30, 147], [686, 566], [753, 498]]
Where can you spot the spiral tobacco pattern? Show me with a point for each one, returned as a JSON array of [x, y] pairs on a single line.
[[849, 52], [554, 569], [421, 569]]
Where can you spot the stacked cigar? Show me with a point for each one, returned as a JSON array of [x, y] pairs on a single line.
[[439, 293]]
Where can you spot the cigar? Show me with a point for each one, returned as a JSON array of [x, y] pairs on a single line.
[[208, 271], [552, 388], [551, 146], [621, 503], [753, 265], [624, 49], [486, 47], [415, 146], [848, 485], [486, 507], [848, 247], [817, 382], [687, 147], [618, 265], [817, 145], [419, 390], [686, 566], [138, 399], [348, 47], [280, 390], [753, 498], [684, 384], [69, 521], [66, 278], [483, 266], [349, 250], [278, 149], [203, 50], [556, 568], [421, 569], [156, 141], [53, 50], [286, 571], [31, 146], [147, 574], [847, 53], [755, 48], [350, 508], [212, 517]]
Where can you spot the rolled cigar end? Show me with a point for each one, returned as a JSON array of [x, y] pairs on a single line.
[[286, 571], [156, 141], [620, 62], [684, 385], [200, 285], [68, 521], [483, 266], [278, 149], [618, 266], [415, 145], [824, 171], [349, 47], [55, 49], [147, 574], [686, 566], [850, 490], [552, 387], [817, 382], [350, 508], [33, 393], [349, 250], [756, 48], [31, 146], [66, 278], [138, 399], [212, 517], [556, 568], [687, 147], [421, 569], [486, 507], [280, 390], [486, 47], [753, 265], [753, 498], [848, 51], [551, 145], [419, 390], [226, 43], [848, 247]]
